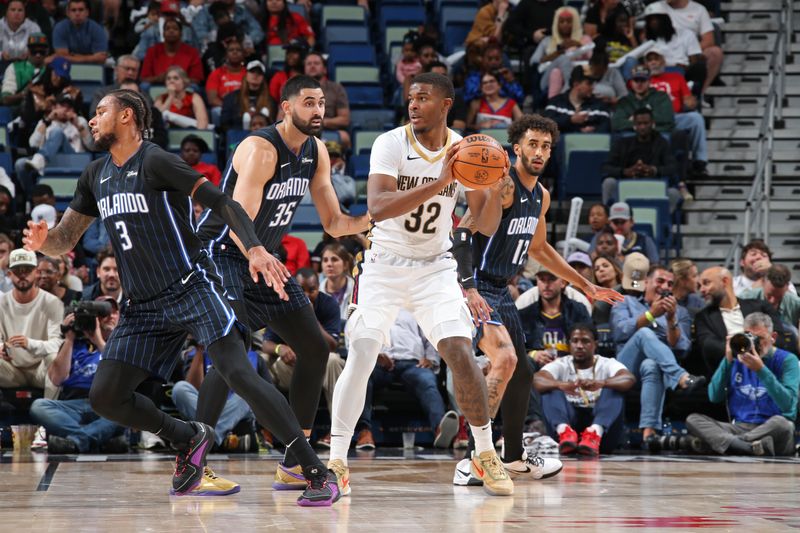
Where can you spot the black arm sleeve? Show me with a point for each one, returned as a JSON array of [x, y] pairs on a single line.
[[230, 211], [462, 251]]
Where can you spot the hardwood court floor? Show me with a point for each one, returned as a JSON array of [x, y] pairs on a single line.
[[398, 495]]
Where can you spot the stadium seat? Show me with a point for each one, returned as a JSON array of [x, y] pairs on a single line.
[[438, 5], [300, 10], [175, 136], [394, 35], [67, 163], [6, 114], [63, 185], [642, 189], [306, 217], [357, 74], [371, 119], [87, 72], [498, 134], [358, 208], [397, 15], [156, 90], [581, 175], [654, 211], [350, 54], [455, 33], [349, 14], [6, 163], [310, 237], [450, 14], [275, 54], [363, 141], [583, 141], [364, 95], [232, 140], [335, 33], [209, 157], [359, 166]]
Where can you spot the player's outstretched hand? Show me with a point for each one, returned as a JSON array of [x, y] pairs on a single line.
[[275, 273], [609, 296], [481, 312], [35, 235]]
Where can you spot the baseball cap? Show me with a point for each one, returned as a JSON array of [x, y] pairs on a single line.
[[656, 8], [38, 39], [658, 49], [44, 212], [110, 299], [61, 66], [634, 271], [640, 72], [580, 258], [22, 257], [619, 210], [256, 65], [544, 270]]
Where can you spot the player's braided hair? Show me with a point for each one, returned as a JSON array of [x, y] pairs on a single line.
[[136, 103]]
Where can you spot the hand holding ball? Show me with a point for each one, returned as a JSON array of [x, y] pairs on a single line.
[[480, 162]]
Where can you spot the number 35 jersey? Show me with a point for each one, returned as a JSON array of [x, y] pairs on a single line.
[[280, 198], [145, 207], [425, 231]]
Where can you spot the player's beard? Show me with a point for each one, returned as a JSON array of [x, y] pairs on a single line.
[[527, 164], [305, 126], [105, 142]]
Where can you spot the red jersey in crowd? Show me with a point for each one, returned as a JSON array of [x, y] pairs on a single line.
[[674, 85], [156, 61], [297, 255], [211, 172], [296, 27], [185, 108], [225, 81]]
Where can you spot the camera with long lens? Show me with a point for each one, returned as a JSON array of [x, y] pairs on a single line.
[[745, 342], [86, 314]]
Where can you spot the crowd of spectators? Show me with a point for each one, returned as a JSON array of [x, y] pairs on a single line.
[[207, 66]]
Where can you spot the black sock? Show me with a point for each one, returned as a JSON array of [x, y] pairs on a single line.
[[176, 431], [289, 460], [305, 456]]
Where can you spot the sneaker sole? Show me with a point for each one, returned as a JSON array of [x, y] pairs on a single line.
[[466, 480], [234, 490], [447, 432], [321, 503], [588, 451], [492, 492], [567, 448], [289, 486], [366, 447]]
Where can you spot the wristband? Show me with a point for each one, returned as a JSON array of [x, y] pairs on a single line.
[[649, 316], [278, 349]]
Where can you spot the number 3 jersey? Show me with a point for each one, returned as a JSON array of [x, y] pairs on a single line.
[[147, 213], [280, 197], [425, 231]]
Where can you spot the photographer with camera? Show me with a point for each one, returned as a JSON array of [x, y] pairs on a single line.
[[72, 426], [29, 334], [759, 383], [651, 332]]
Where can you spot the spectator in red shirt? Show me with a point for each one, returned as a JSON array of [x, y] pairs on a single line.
[[297, 255], [181, 106], [283, 25], [293, 65], [228, 77], [192, 148], [171, 52]]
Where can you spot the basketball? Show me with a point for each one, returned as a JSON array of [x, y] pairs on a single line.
[[480, 162]]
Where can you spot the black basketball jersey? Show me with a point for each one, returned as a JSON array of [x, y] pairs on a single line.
[[147, 212], [504, 253], [281, 196]]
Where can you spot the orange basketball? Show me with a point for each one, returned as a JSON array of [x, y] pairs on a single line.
[[479, 162]]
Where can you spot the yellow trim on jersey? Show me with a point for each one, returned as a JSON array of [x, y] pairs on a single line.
[[412, 139]]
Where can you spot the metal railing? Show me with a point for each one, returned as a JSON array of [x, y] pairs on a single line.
[[757, 206]]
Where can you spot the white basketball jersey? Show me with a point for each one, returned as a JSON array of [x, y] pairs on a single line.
[[425, 231]]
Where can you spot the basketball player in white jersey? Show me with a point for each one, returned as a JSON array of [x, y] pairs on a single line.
[[411, 194]]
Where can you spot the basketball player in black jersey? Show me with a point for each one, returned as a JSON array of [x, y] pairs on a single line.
[[142, 194], [486, 266], [268, 174]]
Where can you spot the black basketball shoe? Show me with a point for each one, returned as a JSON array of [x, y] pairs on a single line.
[[190, 461]]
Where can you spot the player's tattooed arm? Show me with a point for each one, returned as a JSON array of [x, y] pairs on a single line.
[[61, 239]]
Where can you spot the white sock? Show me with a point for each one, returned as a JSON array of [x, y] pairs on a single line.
[[560, 428], [597, 428], [483, 438], [349, 394]]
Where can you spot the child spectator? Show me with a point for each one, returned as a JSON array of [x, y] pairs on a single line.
[[192, 149]]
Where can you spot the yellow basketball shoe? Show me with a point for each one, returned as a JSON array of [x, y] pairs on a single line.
[[289, 478], [342, 475], [213, 485], [488, 468]]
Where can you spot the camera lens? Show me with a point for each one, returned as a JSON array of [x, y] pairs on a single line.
[[740, 343]]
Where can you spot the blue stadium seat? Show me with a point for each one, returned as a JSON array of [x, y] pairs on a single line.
[[455, 33], [359, 166], [6, 114], [450, 14], [372, 119], [364, 95], [232, 140], [345, 33], [439, 4], [400, 16], [209, 157], [655, 211], [176, 135], [350, 54], [582, 176], [6, 163], [306, 217], [67, 163]]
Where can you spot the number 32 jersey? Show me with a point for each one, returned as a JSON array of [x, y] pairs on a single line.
[[147, 212], [425, 231]]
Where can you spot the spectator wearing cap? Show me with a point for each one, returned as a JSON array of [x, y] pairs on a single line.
[[192, 148], [337, 106], [205, 24], [293, 66], [491, 60], [180, 105], [582, 264], [15, 30], [48, 278], [642, 95], [127, 69], [692, 16], [62, 131], [644, 155], [754, 264], [254, 97], [227, 78], [622, 221], [775, 291], [171, 52], [578, 110], [154, 32], [79, 38], [71, 424], [686, 285], [19, 74], [652, 332], [724, 315], [29, 327], [547, 319], [284, 25], [684, 104]]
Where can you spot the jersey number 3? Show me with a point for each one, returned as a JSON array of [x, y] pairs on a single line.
[[124, 238], [414, 223]]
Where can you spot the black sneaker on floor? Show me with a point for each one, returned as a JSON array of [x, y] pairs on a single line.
[[322, 490], [693, 382], [61, 446], [190, 461]]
